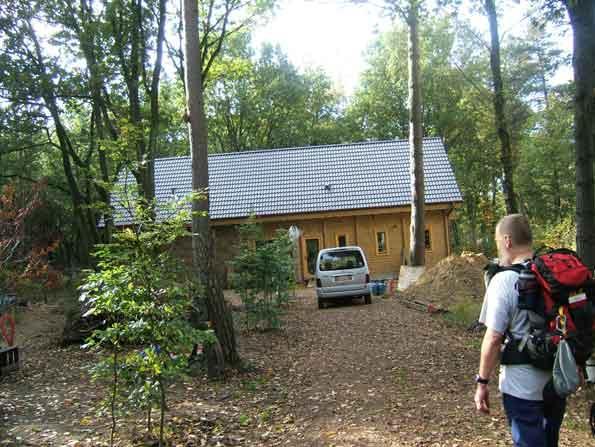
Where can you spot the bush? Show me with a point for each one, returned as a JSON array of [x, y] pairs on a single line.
[[141, 291], [263, 275]]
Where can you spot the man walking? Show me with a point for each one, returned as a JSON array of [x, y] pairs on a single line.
[[534, 412]]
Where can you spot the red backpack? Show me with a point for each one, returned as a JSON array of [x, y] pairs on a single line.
[[558, 292]]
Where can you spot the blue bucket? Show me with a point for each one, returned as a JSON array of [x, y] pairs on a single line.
[[378, 287]]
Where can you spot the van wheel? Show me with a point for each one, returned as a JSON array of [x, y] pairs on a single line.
[[321, 304], [368, 299]]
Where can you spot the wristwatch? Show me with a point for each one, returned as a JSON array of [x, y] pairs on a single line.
[[479, 379]]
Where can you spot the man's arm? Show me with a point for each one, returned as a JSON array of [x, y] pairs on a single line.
[[490, 353]]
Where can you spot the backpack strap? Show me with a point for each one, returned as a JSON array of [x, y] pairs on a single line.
[[492, 269], [511, 354], [514, 267]]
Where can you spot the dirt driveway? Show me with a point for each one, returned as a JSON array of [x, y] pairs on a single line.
[[349, 375]]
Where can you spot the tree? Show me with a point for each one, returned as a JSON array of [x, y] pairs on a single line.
[[409, 11], [203, 254], [499, 109], [545, 166], [142, 293], [220, 21], [94, 115], [82, 100], [416, 161], [29, 84], [268, 102], [582, 19], [264, 273]]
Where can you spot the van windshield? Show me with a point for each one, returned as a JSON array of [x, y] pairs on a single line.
[[341, 260]]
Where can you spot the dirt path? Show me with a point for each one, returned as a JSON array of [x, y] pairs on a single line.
[[350, 375]]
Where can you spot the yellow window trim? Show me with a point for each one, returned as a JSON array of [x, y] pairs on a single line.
[[387, 251], [337, 239], [431, 242]]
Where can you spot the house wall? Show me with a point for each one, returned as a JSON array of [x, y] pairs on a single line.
[[362, 230], [226, 248], [359, 230]]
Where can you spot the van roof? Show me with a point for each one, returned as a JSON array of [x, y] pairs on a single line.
[[349, 247]]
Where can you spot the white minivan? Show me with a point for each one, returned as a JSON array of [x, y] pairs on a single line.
[[342, 272]]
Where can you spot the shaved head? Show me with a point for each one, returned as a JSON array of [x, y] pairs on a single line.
[[517, 227]]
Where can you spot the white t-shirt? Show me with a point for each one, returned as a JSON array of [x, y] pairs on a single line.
[[501, 314]]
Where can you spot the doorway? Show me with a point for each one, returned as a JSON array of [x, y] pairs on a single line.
[[312, 249]]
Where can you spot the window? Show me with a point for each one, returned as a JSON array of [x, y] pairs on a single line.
[[341, 260], [312, 248], [428, 240], [381, 243], [341, 240]]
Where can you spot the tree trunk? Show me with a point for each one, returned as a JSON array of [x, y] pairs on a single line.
[[132, 67], [557, 194], [542, 74], [582, 19], [114, 396], [86, 227], [203, 250], [416, 163], [87, 39], [154, 92], [161, 413], [499, 110]]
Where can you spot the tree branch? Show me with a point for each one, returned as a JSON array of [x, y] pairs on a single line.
[[32, 180]]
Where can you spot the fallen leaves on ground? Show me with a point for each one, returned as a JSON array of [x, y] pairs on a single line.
[[349, 375]]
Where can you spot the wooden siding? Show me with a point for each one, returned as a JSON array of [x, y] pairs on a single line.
[[359, 229]]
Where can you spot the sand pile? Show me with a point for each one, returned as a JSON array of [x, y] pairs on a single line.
[[453, 279]]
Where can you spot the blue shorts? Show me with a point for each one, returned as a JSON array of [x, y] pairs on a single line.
[[534, 423]]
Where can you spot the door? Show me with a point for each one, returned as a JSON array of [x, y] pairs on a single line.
[[312, 249]]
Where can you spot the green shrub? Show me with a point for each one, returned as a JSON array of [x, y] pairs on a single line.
[[263, 275], [140, 288]]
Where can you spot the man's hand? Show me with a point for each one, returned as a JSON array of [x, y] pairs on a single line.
[[482, 399], [490, 351]]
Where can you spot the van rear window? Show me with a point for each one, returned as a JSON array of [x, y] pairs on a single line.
[[341, 260]]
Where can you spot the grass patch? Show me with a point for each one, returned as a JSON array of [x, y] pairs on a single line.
[[264, 416], [253, 385], [463, 313], [400, 376], [244, 420], [475, 343]]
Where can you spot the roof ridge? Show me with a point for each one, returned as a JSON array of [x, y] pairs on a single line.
[[293, 148], [172, 157]]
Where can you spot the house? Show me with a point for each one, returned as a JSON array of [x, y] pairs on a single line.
[[334, 195]]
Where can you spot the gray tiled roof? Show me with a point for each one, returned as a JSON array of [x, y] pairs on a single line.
[[309, 179]]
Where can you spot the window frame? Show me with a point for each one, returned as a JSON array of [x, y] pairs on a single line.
[[346, 240], [428, 238], [386, 251]]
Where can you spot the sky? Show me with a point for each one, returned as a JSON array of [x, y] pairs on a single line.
[[328, 34], [334, 35]]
